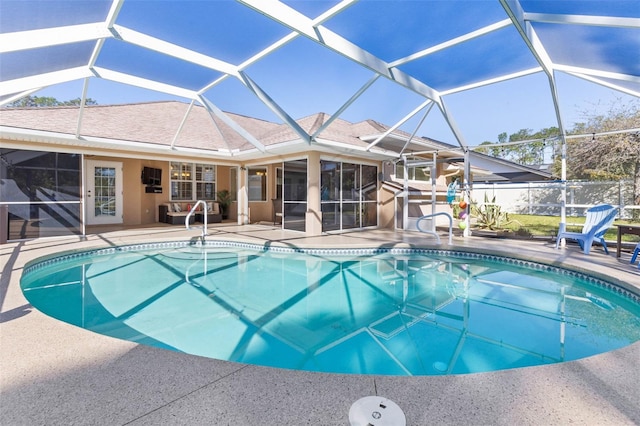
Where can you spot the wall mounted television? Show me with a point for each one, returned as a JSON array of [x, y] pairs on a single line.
[[151, 176]]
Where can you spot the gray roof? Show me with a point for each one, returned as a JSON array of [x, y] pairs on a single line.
[[158, 126], [152, 126]]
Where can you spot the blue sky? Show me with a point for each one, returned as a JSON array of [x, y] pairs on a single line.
[[305, 79], [513, 105]]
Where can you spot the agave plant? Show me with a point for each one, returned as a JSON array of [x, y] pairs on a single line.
[[489, 215]]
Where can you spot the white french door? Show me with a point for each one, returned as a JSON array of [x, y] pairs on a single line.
[[103, 192]]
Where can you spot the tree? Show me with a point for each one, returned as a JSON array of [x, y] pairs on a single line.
[[526, 153], [607, 157], [44, 101]]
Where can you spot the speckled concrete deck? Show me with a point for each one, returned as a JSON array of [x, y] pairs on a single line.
[[53, 373]]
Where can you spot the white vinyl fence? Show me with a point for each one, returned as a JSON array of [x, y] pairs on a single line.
[[544, 198]]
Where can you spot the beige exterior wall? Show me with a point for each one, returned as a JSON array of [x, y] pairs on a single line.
[[223, 181], [141, 208], [313, 219], [262, 211], [386, 208]]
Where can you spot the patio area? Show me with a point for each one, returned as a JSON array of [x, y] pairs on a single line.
[[54, 373]]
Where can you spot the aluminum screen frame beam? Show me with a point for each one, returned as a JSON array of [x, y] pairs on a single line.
[[305, 26], [516, 13], [597, 21], [229, 122], [314, 29]]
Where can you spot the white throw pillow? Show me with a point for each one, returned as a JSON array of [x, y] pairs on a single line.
[[177, 208], [216, 208]]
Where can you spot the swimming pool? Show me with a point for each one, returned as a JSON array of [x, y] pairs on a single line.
[[364, 311]]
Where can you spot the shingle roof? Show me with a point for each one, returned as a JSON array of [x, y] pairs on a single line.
[[157, 123], [153, 123]]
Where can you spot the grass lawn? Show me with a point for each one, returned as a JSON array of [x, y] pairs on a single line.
[[548, 226]]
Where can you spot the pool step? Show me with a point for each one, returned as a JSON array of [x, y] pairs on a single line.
[[397, 322]]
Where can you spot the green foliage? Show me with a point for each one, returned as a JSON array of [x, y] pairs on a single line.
[[547, 226], [605, 156], [489, 215], [223, 198], [601, 154], [531, 153], [44, 101], [538, 225]]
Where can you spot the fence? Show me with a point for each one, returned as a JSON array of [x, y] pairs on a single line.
[[545, 198]]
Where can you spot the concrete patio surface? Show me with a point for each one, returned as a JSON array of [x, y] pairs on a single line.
[[53, 373]]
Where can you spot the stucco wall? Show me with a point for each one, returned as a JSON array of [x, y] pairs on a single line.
[[139, 207]]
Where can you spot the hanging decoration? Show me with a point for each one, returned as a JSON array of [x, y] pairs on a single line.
[[451, 191]]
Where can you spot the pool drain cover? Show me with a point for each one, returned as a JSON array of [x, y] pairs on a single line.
[[376, 411]]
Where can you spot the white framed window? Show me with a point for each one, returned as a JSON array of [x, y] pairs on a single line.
[[257, 183], [422, 173], [205, 182], [192, 181]]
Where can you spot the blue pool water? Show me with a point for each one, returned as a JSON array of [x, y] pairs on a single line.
[[391, 312]]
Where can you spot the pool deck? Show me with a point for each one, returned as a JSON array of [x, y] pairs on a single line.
[[52, 373]]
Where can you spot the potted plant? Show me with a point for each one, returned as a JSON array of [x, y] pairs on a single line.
[[223, 198]]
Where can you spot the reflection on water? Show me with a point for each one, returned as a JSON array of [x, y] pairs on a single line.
[[383, 314]]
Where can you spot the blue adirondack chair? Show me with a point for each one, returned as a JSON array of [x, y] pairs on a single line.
[[599, 219], [636, 251]]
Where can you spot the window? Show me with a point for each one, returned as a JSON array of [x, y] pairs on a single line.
[[192, 181], [415, 173], [257, 184], [205, 182], [279, 183]]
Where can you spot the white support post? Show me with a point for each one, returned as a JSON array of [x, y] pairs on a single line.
[[243, 197], [405, 199], [563, 189], [467, 191], [433, 191]]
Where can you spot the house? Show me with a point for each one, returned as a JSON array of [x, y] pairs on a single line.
[[68, 169]]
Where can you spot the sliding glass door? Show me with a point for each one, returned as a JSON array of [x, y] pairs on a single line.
[[348, 195], [294, 195], [330, 195]]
